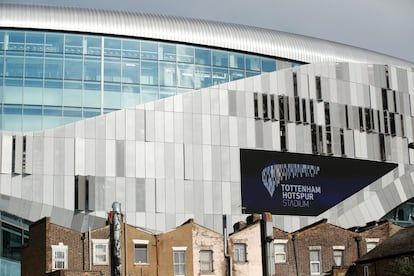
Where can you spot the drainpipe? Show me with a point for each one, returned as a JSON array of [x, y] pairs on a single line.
[[229, 261], [294, 254], [358, 242]]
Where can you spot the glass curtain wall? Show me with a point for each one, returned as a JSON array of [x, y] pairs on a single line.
[[49, 79]]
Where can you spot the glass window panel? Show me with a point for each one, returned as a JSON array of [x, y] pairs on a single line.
[[202, 76], [72, 112], [338, 257], [52, 116], [91, 112], [130, 88], [185, 75], [141, 253], [130, 99], [268, 65], [1, 64], [54, 43], [179, 263], [91, 96], [251, 74], [220, 75], [93, 45], [236, 75], [168, 74], [73, 69], [92, 70], [53, 68], [12, 109], [220, 58], [149, 93], [149, 50], [130, 71], [130, 48], [74, 44], [112, 100], [252, 63], [16, 41], [206, 261], [52, 111], [112, 47], [167, 92], [53, 93], [166, 52], [2, 33], [11, 241], [33, 95], [13, 92], [236, 60], [34, 68], [112, 87], [185, 54], [202, 56], [149, 72], [14, 67], [33, 83], [72, 94], [35, 41], [112, 70], [32, 110]]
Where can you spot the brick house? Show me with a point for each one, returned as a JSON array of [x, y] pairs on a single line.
[[191, 249], [56, 250], [394, 256]]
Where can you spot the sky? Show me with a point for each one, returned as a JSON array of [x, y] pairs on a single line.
[[385, 26]]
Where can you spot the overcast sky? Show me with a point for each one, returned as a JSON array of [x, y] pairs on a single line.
[[385, 26]]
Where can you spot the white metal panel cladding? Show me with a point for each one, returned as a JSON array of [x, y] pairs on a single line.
[[193, 31]]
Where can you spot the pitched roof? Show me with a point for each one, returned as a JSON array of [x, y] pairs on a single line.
[[399, 244]]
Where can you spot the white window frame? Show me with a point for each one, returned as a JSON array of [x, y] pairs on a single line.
[[56, 249], [281, 253], [180, 249], [366, 270], [208, 263], [339, 248], [319, 262], [371, 241], [95, 243], [239, 251], [142, 243]]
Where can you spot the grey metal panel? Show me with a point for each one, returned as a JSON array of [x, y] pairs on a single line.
[[120, 158]]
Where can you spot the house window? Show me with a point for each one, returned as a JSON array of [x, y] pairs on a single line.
[[100, 251], [240, 252], [338, 255], [206, 261], [366, 270], [59, 256], [179, 261], [141, 251], [371, 243], [280, 250], [315, 261]]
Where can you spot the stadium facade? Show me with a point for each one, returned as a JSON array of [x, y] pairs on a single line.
[[181, 118]]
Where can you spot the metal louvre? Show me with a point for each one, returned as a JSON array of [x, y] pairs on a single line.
[[193, 31]]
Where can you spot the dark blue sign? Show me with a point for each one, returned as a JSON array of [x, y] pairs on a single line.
[[302, 184]]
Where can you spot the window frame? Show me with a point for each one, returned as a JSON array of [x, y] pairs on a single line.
[[318, 262], [95, 243], [62, 249], [180, 250], [338, 248], [372, 241], [143, 244], [209, 262], [282, 253], [240, 252]]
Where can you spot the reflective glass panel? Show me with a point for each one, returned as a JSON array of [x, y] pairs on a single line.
[[236, 60], [130, 48], [268, 65], [130, 71], [73, 67], [16, 41], [34, 68], [166, 52], [185, 54], [92, 70], [168, 74], [54, 68], [112, 47], [74, 44], [93, 45], [112, 70], [35, 41], [202, 56], [202, 76], [236, 74], [54, 43], [220, 75], [149, 72], [2, 40], [14, 67], [167, 92], [149, 50], [185, 75], [1, 63], [252, 63], [220, 58]]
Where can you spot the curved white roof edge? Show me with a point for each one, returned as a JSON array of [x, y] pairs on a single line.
[[192, 31]]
